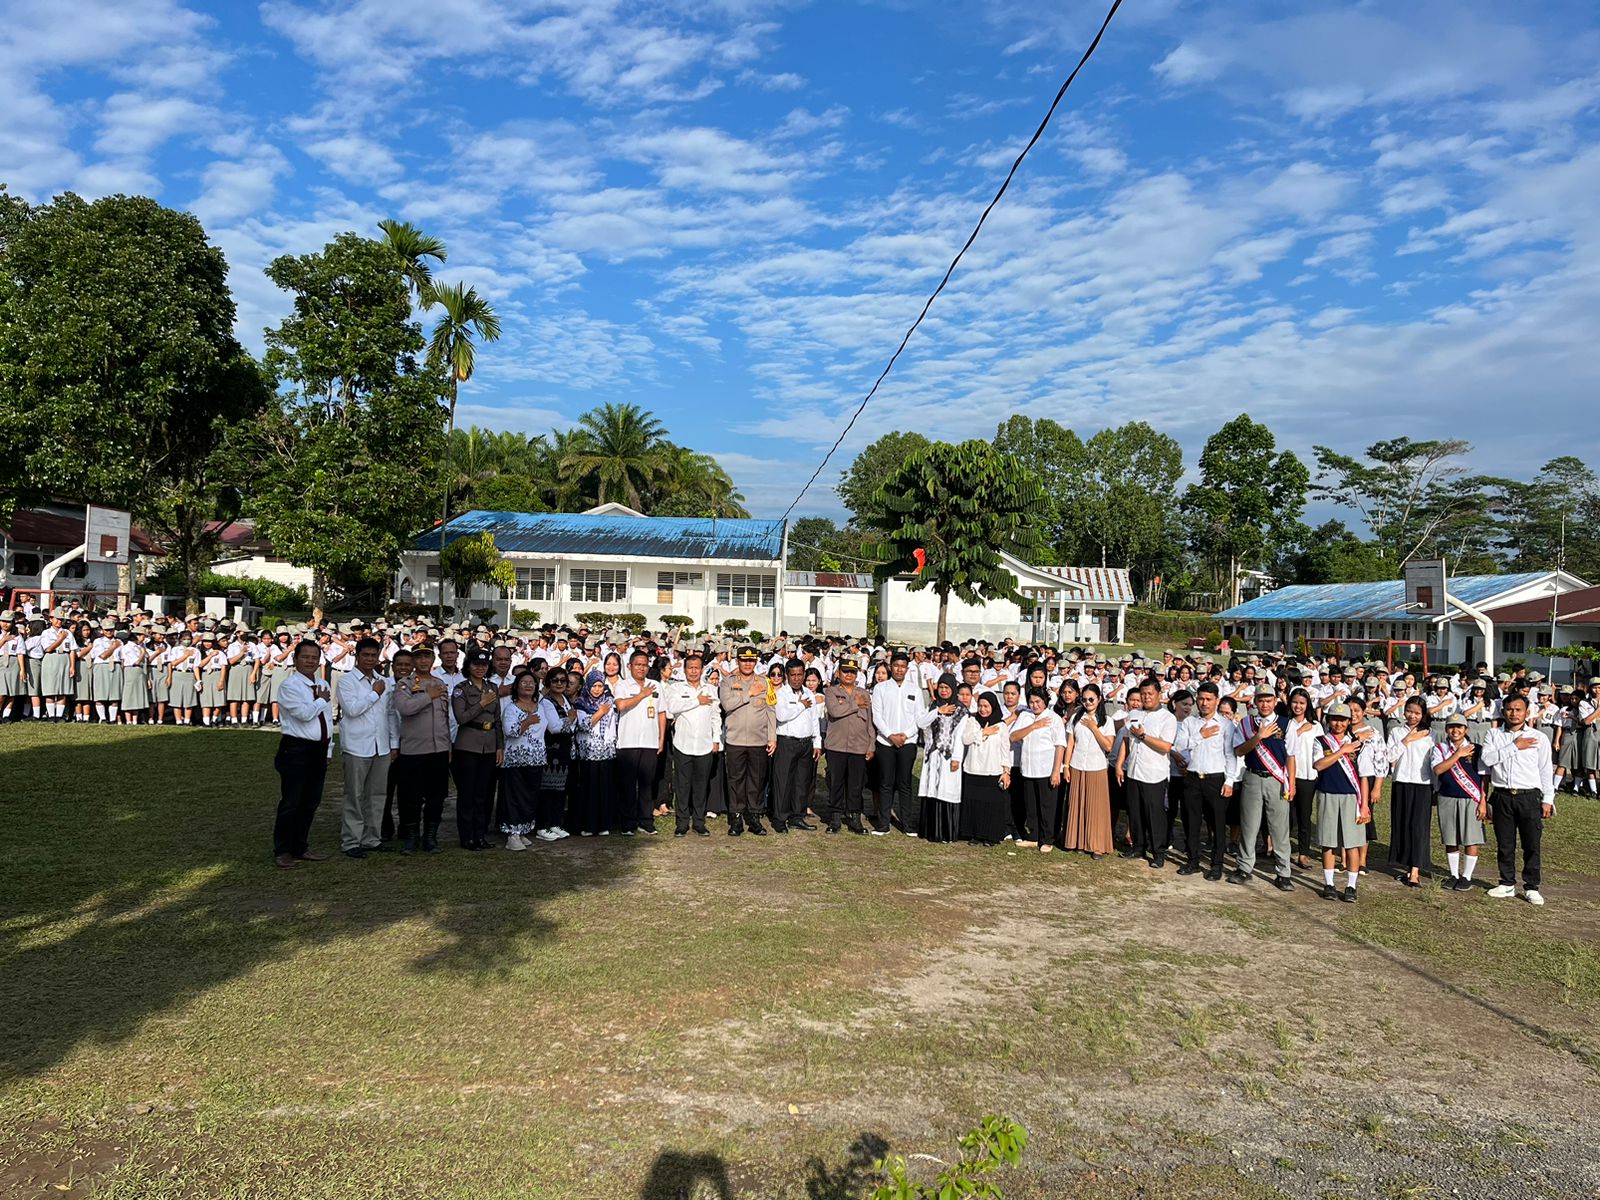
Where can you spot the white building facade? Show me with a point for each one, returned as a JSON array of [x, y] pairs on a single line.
[[1060, 606]]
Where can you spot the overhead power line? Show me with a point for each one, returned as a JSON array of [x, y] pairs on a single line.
[[950, 270]]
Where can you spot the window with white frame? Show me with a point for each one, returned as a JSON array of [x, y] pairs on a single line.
[[668, 581], [746, 591], [597, 586], [1513, 641], [535, 583]]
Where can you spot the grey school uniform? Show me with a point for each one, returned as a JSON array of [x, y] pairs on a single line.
[[211, 686], [185, 692], [135, 680], [1458, 812], [239, 687], [105, 674], [55, 675], [1569, 756], [13, 665], [1589, 750], [160, 693]]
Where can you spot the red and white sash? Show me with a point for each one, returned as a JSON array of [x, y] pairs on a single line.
[[1468, 781], [1333, 744], [1278, 770]]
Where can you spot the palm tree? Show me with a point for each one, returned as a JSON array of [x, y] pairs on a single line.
[[451, 347], [694, 485], [621, 445], [415, 247], [559, 486]]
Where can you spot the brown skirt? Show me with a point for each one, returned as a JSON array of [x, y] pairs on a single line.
[[1089, 812]]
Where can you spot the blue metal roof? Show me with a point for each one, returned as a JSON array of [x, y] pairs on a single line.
[[579, 534], [1383, 601]]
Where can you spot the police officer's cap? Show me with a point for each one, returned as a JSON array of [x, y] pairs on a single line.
[[748, 654], [849, 664]]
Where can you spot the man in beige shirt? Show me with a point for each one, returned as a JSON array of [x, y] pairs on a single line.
[[848, 742]]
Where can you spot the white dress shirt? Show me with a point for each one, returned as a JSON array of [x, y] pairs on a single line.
[[796, 718], [988, 756], [1086, 752], [1207, 744], [638, 728], [364, 725], [303, 715], [1038, 758], [896, 707], [1517, 769], [696, 727], [1146, 764], [1409, 760]]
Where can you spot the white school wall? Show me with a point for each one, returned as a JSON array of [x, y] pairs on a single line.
[[262, 568], [913, 617], [836, 610]]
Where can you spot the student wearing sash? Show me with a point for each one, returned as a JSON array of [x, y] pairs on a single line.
[[1462, 803], [1266, 788], [1372, 767], [1341, 819], [1411, 795]]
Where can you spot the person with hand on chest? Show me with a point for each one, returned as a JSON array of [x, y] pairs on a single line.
[[641, 737], [696, 716], [364, 742], [1205, 742], [849, 743], [799, 734], [302, 757], [1524, 797]]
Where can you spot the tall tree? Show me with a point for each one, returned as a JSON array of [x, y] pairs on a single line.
[[1249, 495], [1330, 553], [622, 447], [1061, 460], [962, 505], [464, 316], [1129, 503], [858, 484], [1417, 498], [350, 455], [1554, 521], [119, 371], [693, 485], [415, 248]]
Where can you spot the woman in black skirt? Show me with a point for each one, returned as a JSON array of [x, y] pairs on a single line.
[[524, 724], [1411, 793], [985, 774]]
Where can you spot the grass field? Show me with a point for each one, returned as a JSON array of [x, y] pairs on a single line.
[[745, 1020]]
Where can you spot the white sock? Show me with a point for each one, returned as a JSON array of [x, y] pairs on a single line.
[[113, 709], [1453, 857], [1468, 866], [1354, 875], [1327, 876]]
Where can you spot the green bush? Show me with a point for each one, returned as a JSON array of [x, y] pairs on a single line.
[[634, 623], [486, 615], [263, 593], [591, 619], [525, 618], [735, 625], [998, 1142], [677, 622]]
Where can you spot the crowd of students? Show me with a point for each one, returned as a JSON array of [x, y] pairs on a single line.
[[546, 734]]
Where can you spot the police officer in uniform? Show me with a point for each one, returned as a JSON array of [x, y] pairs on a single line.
[[749, 738], [848, 743]]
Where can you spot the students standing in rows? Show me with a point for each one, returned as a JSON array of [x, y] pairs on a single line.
[[850, 742], [1461, 800], [696, 715], [1519, 762]]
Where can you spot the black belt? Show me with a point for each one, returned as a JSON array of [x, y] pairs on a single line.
[[1209, 774], [1263, 774], [1505, 791]]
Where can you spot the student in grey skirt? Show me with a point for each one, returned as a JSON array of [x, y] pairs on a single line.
[[1588, 726], [183, 688], [1566, 736], [213, 680], [1341, 823], [1462, 802], [134, 665], [83, 671]]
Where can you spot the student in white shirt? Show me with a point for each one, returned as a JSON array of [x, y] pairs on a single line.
[[1145, 770], [1043, 741], [799, 739], [364, 742], [1205, 743]]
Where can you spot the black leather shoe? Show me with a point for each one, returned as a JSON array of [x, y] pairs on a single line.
[[702, 832], [735, 828], [858, 827], [1158, 862], [411, 845], [680, 833], [1283, 883], [358, 852], [1238, 877], [1130, 852], [380, 848], [1214, 875], [757, 828], [1189, 869], [803, 824], [779, 828], [833, 829], [1329, 892]]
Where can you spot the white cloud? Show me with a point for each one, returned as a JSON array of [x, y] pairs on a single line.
[[356, 158]]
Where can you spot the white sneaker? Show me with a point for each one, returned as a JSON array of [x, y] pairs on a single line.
[[1502, 891], [876, 832], [547, 835], [516, 842], [559, 832], [1533, 897]]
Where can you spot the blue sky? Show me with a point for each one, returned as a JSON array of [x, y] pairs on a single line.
[[1351, 220]]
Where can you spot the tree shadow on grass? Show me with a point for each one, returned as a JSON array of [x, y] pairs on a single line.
[[139, 876]]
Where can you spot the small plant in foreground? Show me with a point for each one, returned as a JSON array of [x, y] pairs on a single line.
[[997, 1142]]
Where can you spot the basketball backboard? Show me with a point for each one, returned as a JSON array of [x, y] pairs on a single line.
[[1425, 587], [107, 535]]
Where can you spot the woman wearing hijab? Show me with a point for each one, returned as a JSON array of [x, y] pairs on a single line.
[[942, 753], [523, 719], [985, 774], [596, 744], [1089, 741]]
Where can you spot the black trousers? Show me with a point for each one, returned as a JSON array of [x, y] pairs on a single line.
[[897, 786], [1518, 814], [302, 765], [1147, 815], [1039, 810], [747, 772], [847, 775], [422, 780], [1305, 836], [791, 765], [474, 771], [595, 791], [1203, 800], [1177, 806], [691, 788], [636, 787]]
